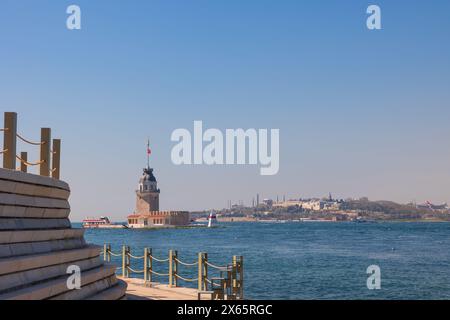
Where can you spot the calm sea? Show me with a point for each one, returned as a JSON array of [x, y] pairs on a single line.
[[309, 260]]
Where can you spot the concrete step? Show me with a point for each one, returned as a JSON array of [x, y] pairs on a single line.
[[8, 211], [18, 280], [92, 281], [12, 199], [33, 224], [39, 235], [88, 290], [18, 176], [117, 292], [22, 263], [27, 248], [33, 190]]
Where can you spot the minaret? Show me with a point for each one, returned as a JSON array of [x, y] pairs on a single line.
[[147, 195]]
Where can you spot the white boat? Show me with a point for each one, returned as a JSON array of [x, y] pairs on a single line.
[[212, 220]]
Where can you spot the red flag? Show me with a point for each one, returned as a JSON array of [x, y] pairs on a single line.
[[149, 152]]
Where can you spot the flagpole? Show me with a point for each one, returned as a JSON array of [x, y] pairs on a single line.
[[148, 156]]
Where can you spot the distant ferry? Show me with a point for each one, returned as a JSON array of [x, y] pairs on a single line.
[[102, 222]]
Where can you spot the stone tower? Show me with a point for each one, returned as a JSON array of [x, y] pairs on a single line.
[[147, 196]]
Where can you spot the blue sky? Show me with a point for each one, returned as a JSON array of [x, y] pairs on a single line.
[[360, 113]]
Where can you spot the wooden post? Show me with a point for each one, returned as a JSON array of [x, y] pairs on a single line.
[[56, 158], [109, 253], [200, 271], [150, 269], [175, 268], [124, 262], [205, 271], [234, 277], [145, 264], [10, 140], [170, 268], [44, 168], [241, 277], [24, 157], [105, 251]]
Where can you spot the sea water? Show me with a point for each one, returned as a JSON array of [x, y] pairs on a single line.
[[306, 260]]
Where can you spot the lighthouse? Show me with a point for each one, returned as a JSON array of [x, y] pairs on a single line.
[[147, 213], [147, 195]]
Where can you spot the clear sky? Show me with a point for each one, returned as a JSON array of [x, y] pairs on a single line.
[[360, 113]]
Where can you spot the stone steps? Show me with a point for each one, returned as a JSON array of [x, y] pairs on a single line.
[[114, 293], [22, 279], [22, 263], [9, 211], [27, 248], [38, 244], [19, 236], [12, 199], [33, 224], [92, 281]]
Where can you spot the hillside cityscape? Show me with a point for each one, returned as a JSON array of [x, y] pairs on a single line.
[[329, 209]]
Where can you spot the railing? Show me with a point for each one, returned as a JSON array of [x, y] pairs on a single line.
[[228, 285], [48, 154]]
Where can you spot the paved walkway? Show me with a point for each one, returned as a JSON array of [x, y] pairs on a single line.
[[138, 290]]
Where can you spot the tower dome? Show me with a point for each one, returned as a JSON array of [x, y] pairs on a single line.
[[147, 175], [148, 183]]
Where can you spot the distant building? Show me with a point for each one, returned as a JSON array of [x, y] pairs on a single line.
[[147, 214], [310, 204]]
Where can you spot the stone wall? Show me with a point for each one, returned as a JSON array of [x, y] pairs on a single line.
[[38, 244]]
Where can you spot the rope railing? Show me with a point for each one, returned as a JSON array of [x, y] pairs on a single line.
[[29, 141], [186, 279], [228, 286], [160, 274], [186, 264], [135, 257], [159, 260], [50, 149], [29, 164], [216, 267]]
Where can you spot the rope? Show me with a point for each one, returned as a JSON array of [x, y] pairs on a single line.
[[216, 267], [4, 151], [159, 274], [135, 271], [30, 142], [186, 264], [5, 129], [134, 257], [29, 163], [159, 260], [186, 279], [115, 254]]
